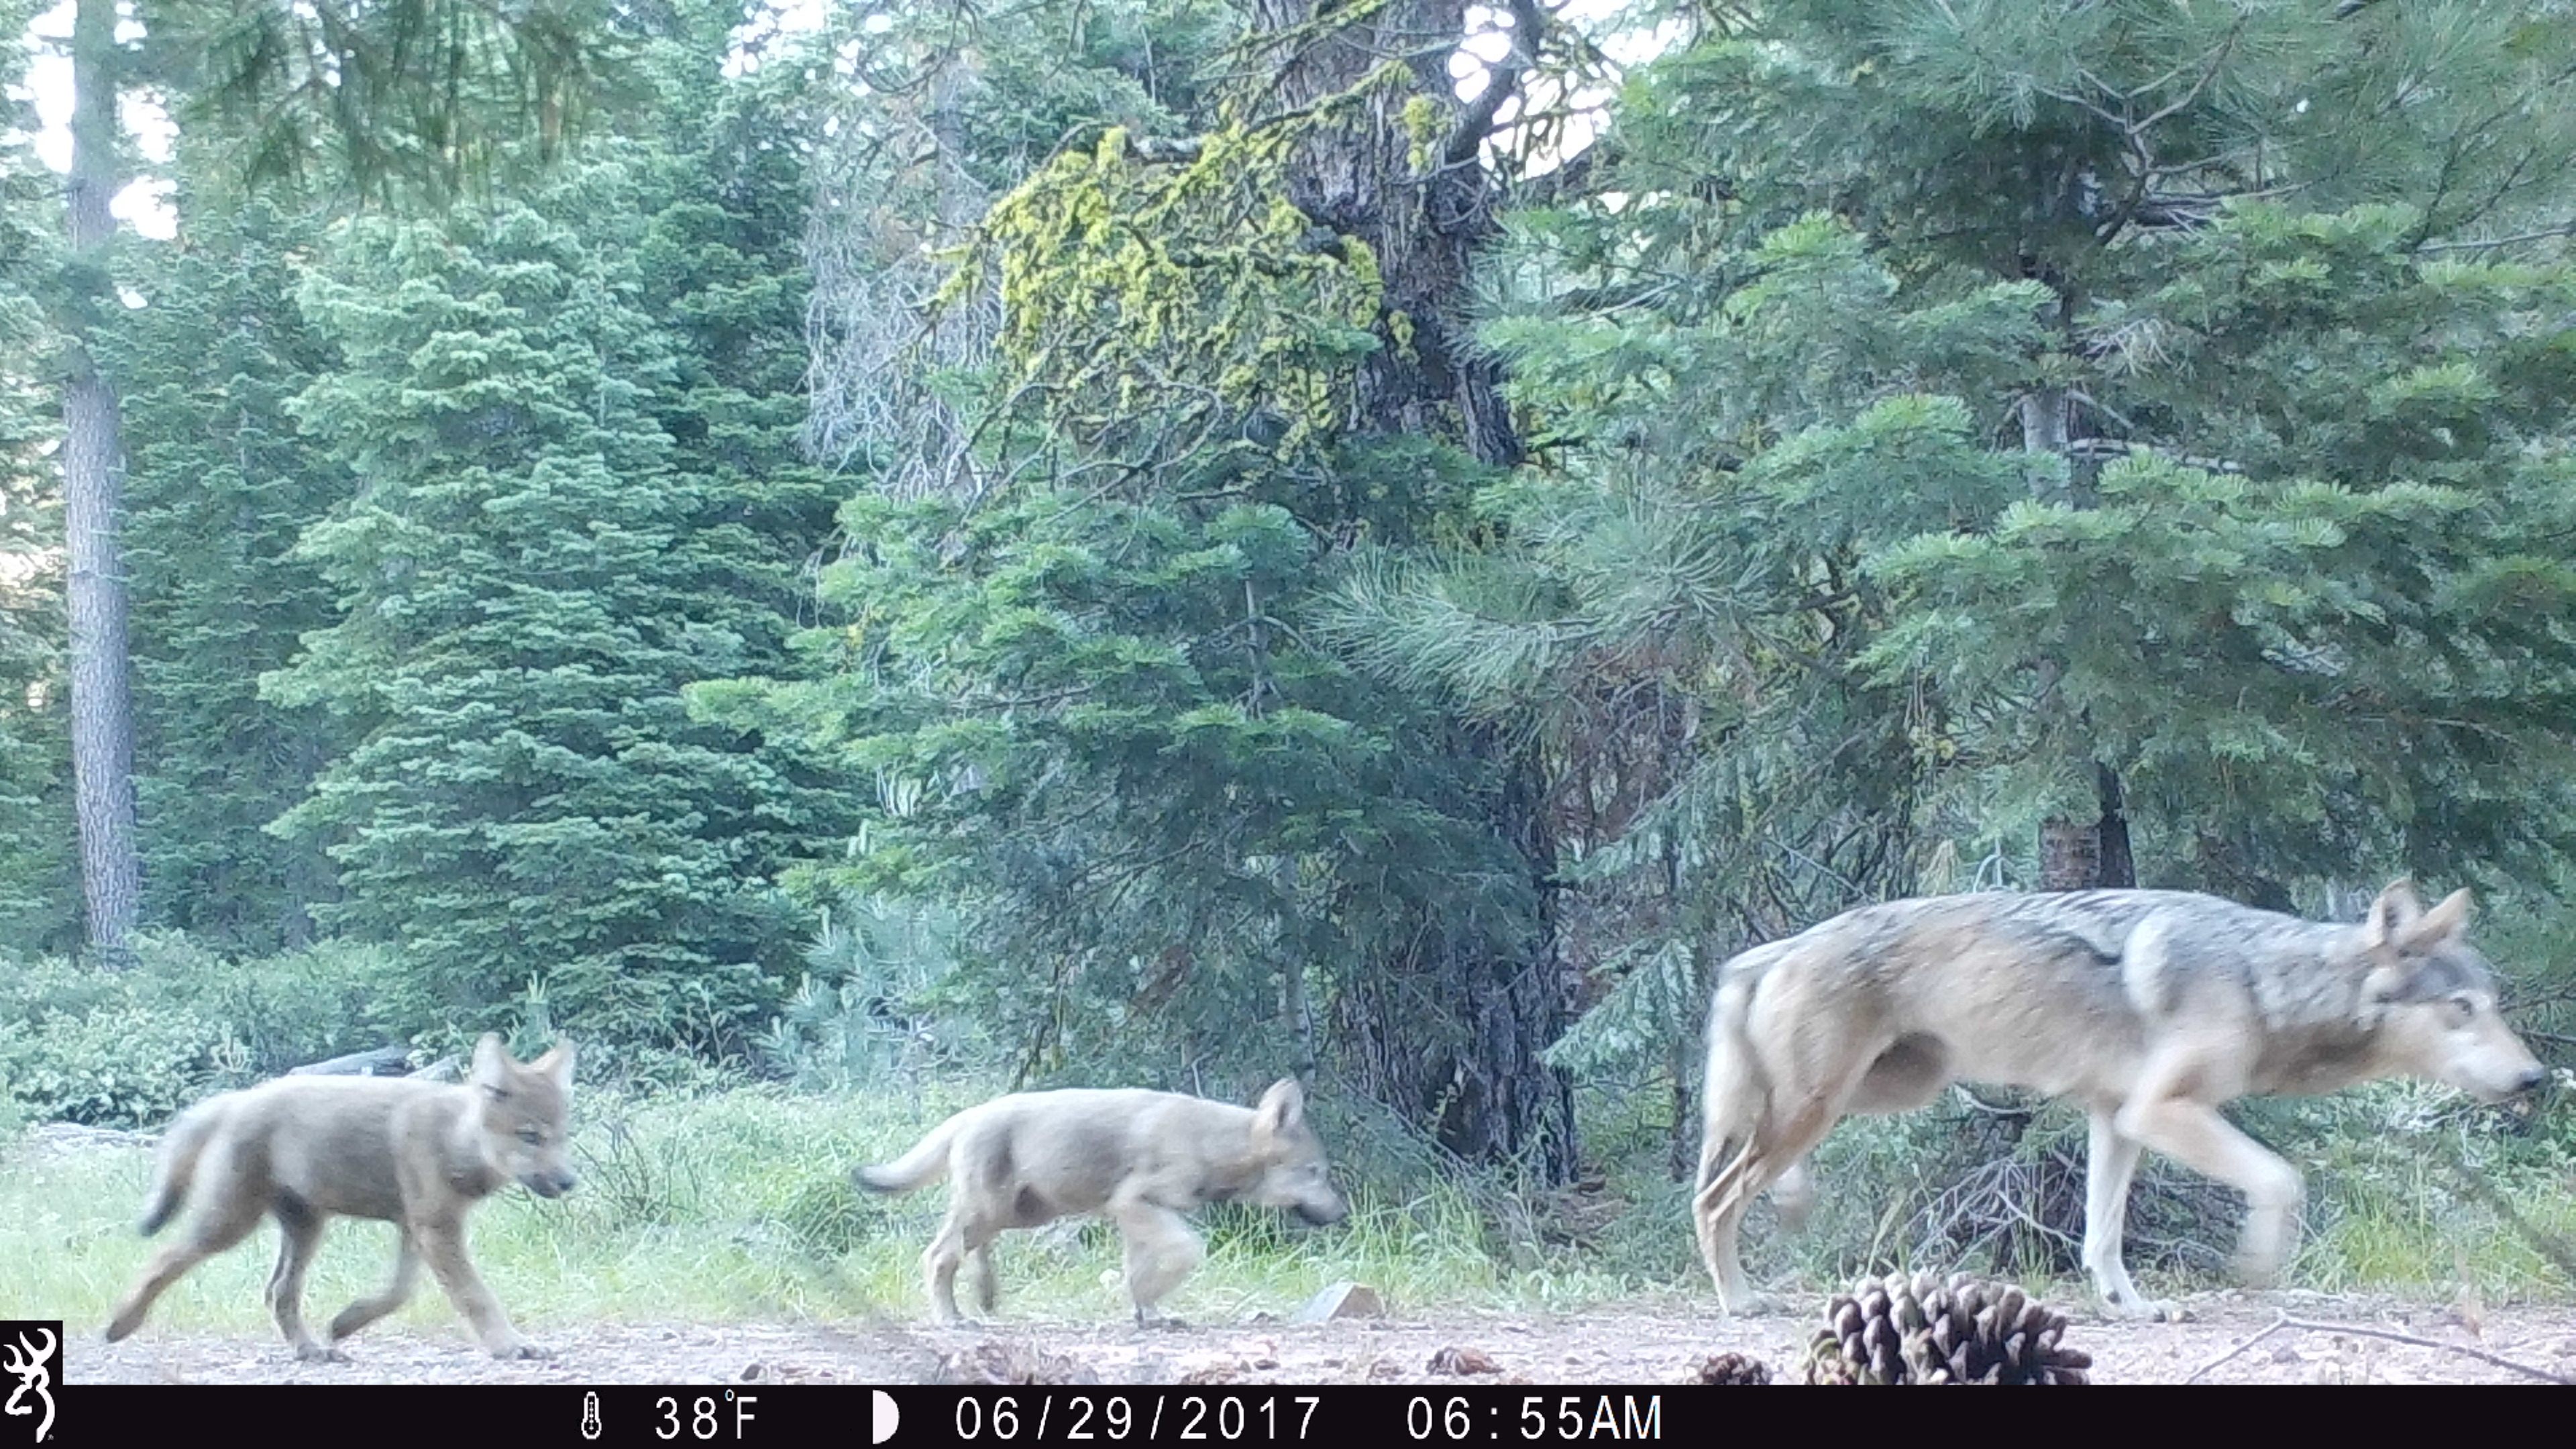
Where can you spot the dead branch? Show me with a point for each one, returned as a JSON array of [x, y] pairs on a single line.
[[383, 1061], [2309, 1325], [2240, 1346], [1503, 83]]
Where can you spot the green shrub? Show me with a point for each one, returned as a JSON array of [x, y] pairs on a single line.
[[129, 1048]]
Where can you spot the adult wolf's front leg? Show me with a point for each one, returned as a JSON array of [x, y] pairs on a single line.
[[2111, 1163], [2192, 1133]]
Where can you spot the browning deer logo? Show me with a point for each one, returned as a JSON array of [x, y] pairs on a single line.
[[30, 1360]]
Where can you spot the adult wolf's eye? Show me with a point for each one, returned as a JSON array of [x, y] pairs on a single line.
[[2462, 1009], [531, 1136]]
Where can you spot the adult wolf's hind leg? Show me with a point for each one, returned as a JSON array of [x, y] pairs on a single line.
[[1772, 1148], [1793, 1196], [1718, 1214], [396, 1293], [299, 1233]]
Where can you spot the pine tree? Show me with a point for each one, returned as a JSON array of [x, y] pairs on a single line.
[[39, 867], [527, 579], [418, 95], [2194, 677], [1979, 427], [220, 485], [1229, 345]]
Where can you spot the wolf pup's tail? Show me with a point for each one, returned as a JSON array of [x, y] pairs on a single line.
[[176, 1166], [920, 1167]]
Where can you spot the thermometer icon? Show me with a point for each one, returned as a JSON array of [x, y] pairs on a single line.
[[590, 1415]]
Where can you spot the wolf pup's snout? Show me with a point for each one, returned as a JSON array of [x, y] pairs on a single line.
[[1324, 1216], [2532, 1081], [551, 1184]]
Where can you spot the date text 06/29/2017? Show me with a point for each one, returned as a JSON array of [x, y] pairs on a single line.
[[1115, 1417]]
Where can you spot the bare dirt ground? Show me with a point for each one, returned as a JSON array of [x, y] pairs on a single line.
[[1598, 1347]]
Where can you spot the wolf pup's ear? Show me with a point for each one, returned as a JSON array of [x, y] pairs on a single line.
[[2444, 921], [556, 1063], [491, 1064], [2394, 913], [1282, 1107]]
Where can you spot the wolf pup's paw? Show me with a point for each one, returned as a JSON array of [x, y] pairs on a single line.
[[521, 1349], [316, 1353]]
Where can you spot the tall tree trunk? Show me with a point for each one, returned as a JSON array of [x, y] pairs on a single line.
[[2114, 865], [2077, 853], [1356, 176], [102, 710], [1480, 1076]]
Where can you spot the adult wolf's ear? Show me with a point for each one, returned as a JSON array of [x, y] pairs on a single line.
[[2444, 921], [2411, 933], [2394, 915], [1282, 1108]]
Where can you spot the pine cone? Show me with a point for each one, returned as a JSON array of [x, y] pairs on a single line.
[[1914, 1330], [1734, 1368]]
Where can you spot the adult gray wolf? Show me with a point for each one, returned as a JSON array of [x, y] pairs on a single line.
[[2151, 1008], [1137, 1158], [416, 1154]]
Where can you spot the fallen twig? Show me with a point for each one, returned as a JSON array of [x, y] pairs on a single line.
[[2307, 1325], [2242, 1344]]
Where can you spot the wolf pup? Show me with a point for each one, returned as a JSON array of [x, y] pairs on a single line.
[[1137, 1158], [413, 1153], [2152, 1008]]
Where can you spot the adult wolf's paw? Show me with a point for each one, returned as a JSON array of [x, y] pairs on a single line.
[[2256, 1267], [521, 1349], [316, 1353], [2144, 1310]]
